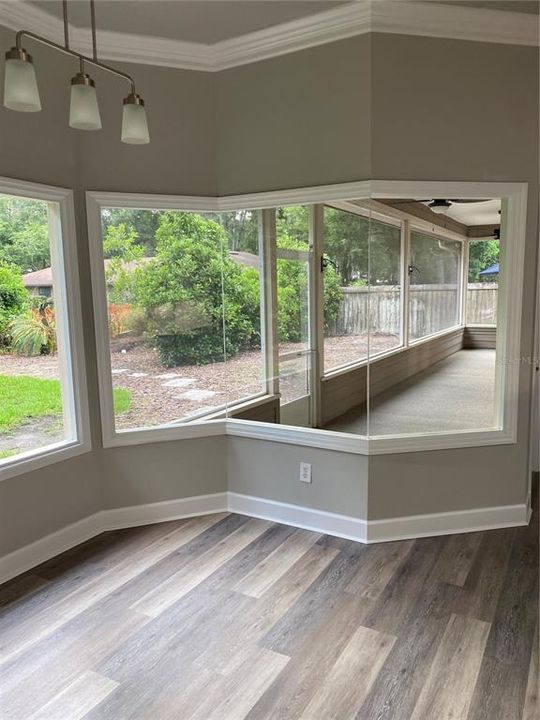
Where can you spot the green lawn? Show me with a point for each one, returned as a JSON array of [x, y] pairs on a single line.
[[23, 398]]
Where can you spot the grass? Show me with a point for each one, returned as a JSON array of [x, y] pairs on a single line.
[[8, 453], [24, 398]]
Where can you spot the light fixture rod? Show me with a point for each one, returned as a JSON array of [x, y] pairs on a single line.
[[66, 24], [69, 51], [93, 24]]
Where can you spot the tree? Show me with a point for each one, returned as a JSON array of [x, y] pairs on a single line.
[[482, 254], [24, 233], [143, 222], [190, 291], [14, 300]]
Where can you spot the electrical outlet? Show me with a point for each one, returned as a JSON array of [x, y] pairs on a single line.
[[305, 472]]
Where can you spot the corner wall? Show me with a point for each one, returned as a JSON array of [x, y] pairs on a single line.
[[457, 110]]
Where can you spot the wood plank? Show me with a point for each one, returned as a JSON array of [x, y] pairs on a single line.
[[485, 580], [457, 557], [182, 582], [227, 651], [239, 692], [349, 681], [320, 600], [378, 565], [275, 565], [312, 661], [75, 701], [531, 708], [450, 684], [399, 684], [16, 639], [407, 584]]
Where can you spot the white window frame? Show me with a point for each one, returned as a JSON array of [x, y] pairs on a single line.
[[508, 330], [62, 238]]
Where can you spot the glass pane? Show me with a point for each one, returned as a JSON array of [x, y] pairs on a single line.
[[164, 291], [244, 370], [384, 287], [441, 383], [483, 282], [434, 289], [183, 290], [294, 378], [32, 398], [292, 227], [293, 305], [346, 293]]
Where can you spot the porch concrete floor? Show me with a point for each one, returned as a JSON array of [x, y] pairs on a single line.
[[457, 393]]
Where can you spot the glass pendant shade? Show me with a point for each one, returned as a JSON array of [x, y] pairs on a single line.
[[20, 86], [134, 123], [84, 108]]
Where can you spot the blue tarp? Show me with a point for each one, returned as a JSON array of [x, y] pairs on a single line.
[[491, 270]]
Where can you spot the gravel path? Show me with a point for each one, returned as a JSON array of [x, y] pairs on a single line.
[[161, 395]]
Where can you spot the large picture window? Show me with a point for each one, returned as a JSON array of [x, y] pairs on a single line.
[[42, 404], [348, 315]]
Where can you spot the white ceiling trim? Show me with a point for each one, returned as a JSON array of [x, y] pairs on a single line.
[[360, 17]]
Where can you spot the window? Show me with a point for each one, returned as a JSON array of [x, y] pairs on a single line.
[[483, 282], [42, 408], [183, 300], [435, 271]]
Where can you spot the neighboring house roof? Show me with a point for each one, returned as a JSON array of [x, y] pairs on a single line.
[[38, 278], [43, 278], [244, 258]]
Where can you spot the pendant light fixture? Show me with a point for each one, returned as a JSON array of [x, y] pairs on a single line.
[[21, 90]]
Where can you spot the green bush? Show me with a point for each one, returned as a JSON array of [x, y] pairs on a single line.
[[180, 292], [292, 288], [14, 300]]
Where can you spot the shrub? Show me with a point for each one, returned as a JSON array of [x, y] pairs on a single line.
[[13, 300], [119, 318], [181, 293], [34, 333]]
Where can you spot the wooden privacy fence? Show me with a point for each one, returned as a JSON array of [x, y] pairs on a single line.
[[432, 308]]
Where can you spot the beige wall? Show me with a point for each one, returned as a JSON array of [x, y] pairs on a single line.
[[304, 119], [297, 120], [474, 107]]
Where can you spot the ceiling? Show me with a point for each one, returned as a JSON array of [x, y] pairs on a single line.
[[480, 213], [199, 21]]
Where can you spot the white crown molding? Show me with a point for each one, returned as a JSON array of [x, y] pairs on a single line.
[[428, 19]]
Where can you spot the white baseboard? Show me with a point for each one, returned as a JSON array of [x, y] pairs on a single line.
[[448, 523], [35, 553], [344, 526], [329, 523], [117, 518], [58, 542]]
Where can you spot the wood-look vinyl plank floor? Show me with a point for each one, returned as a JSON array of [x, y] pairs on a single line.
[[224, 617]]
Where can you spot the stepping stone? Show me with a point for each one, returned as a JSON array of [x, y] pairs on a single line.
[[196, 395], [168, 376], [180, 382], [138, 374], [119, 371]]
